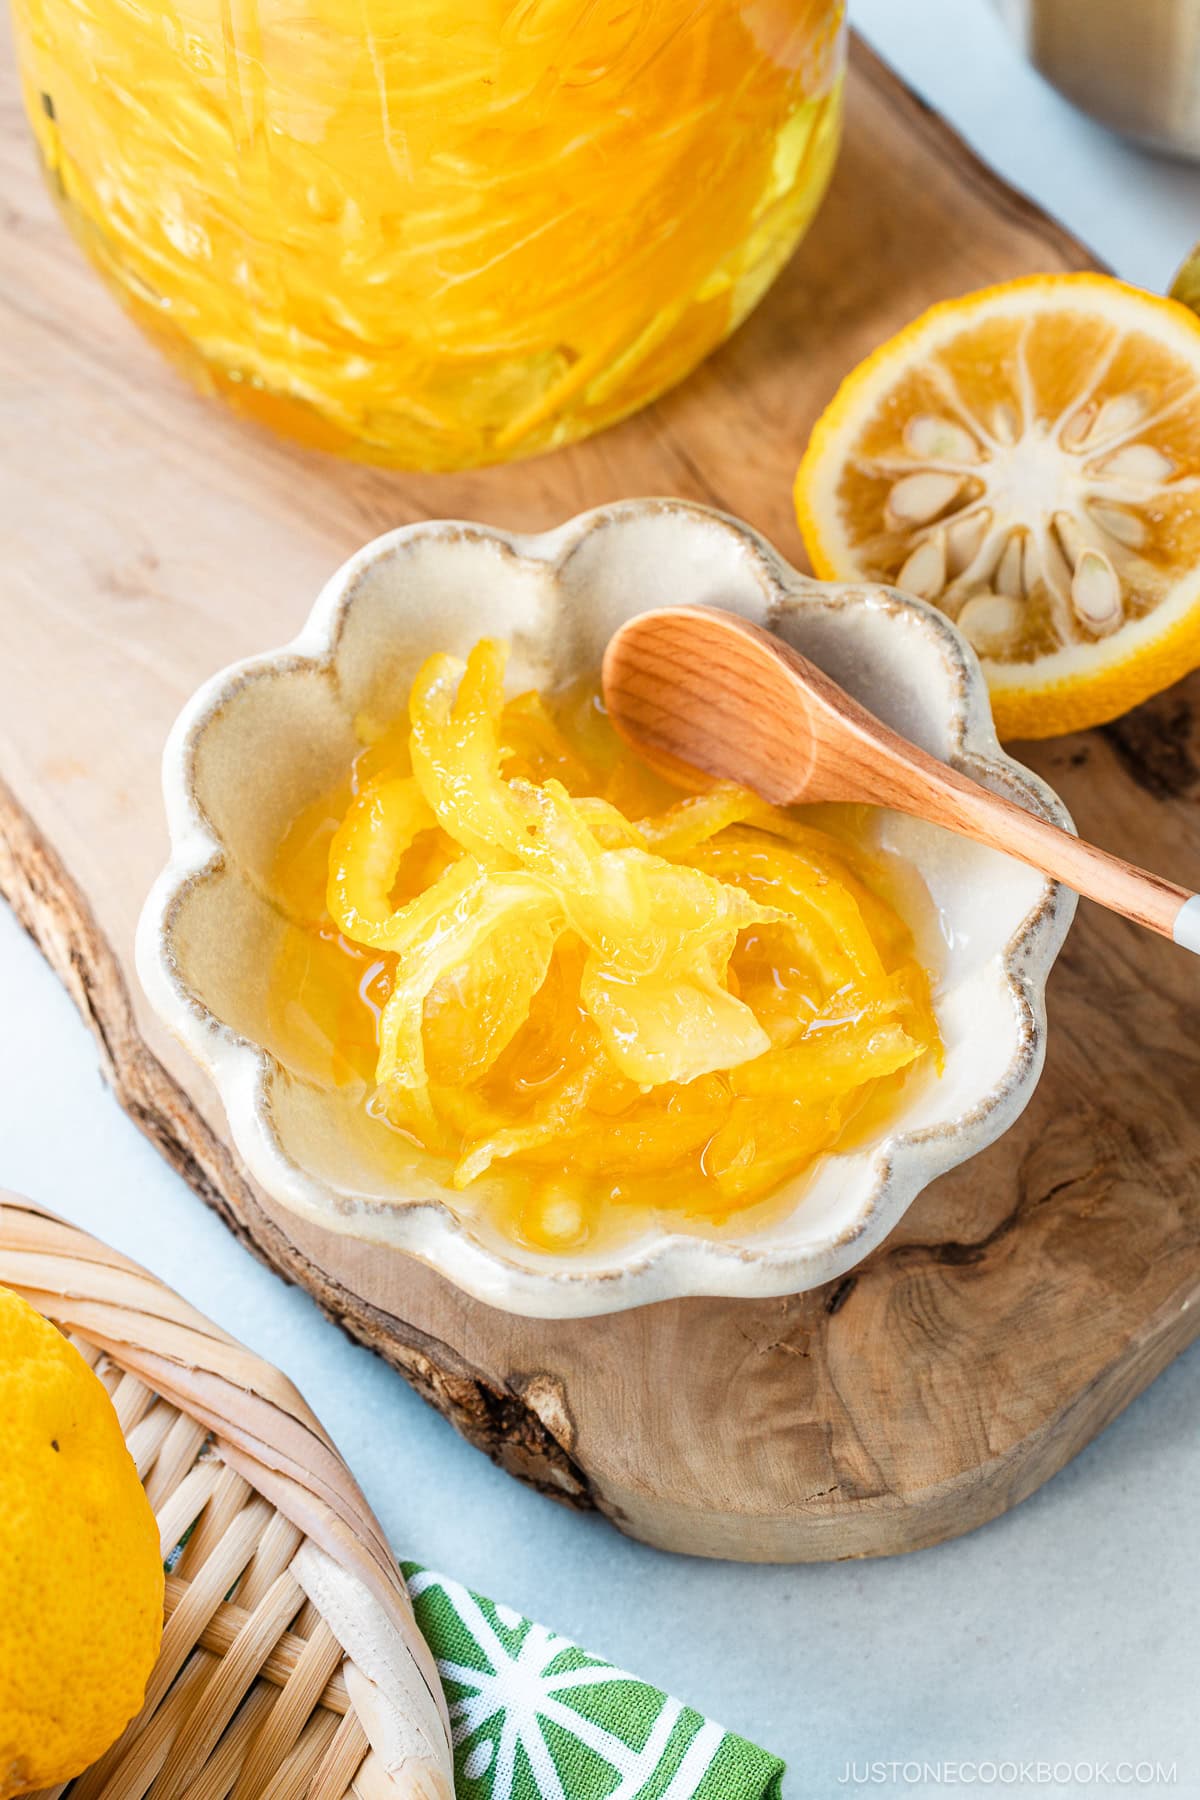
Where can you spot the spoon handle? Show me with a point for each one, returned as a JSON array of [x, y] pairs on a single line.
[[933, 791]]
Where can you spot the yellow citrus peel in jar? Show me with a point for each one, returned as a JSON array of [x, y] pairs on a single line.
[[436, 234], [592, 991]]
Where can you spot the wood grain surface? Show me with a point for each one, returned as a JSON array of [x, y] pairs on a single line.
[[149, 539]]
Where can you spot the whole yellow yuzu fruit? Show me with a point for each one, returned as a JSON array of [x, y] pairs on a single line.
[[81, 1575]]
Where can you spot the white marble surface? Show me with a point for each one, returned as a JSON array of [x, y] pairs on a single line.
[[1068, 1631]]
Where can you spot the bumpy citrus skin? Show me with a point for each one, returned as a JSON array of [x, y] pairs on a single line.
[[1101, 679], [81, 1575]]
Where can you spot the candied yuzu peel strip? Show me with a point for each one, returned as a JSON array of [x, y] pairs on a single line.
[[712, 983]]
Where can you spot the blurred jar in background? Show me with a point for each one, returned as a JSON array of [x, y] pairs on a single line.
[[436, 233], [1132, 64], [1136, 68]]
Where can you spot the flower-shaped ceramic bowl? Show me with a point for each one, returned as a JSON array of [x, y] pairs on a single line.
[[268, 735]]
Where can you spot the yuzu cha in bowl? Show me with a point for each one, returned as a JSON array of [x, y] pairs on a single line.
[[474, 984]]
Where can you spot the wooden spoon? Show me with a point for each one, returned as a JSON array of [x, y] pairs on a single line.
[[696, 688]]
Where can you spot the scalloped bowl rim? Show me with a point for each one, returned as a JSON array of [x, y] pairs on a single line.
[[674, 1264]]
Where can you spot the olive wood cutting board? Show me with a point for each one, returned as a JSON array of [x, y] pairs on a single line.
[[149, 539]]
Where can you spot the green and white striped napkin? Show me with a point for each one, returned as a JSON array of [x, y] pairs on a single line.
[[536, 1718]]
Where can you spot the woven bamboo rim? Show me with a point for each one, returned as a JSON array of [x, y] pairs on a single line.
[[291, 1667]]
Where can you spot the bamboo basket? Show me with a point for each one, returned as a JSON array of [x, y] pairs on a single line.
[[291, 1666]]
